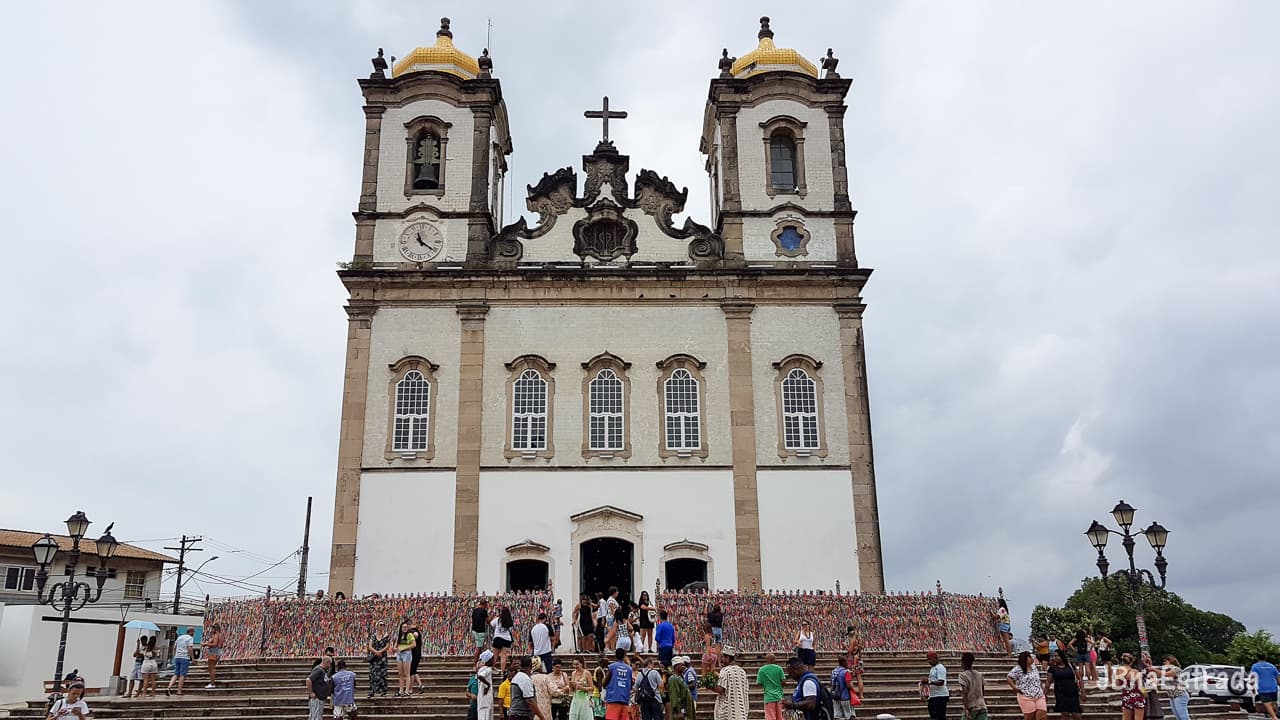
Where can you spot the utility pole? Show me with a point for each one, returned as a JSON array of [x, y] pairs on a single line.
[[306, 550], [184, 547]]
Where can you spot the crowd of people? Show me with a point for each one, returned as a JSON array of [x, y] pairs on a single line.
[[754, 622]]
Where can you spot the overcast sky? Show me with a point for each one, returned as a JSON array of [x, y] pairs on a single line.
[[1071, 211]]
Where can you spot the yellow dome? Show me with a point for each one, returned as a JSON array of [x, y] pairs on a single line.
[[767, 57], [441, 57]]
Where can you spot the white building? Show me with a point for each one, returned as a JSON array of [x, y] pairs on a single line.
[[604, 396]]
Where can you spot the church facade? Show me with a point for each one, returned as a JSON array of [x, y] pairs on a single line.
[[604, 396]]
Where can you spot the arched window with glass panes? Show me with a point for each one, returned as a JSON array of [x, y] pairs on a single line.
[[683, 421], [529, 412], [799, 411], [606, 411], [413, 413]]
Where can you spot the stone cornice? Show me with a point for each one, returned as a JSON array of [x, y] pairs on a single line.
[[667, 286]]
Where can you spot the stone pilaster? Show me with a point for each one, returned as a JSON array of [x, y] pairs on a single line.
[[846, 256], [866, 511], [742, 423], [372, 142], [466, 515], [478, 227], [732, 199], [346, 505]]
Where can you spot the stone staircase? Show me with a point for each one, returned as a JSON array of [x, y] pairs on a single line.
[[274, 689]]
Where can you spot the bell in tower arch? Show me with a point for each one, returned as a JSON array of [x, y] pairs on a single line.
[[428, 164]]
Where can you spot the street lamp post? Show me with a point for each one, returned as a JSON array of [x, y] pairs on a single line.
[[69, 595], [1133, 579]]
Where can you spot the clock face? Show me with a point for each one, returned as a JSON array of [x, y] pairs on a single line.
[[421, 242]]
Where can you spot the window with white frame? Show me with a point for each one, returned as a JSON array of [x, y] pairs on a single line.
[[682, 409], [799, 411], [529, 411], [135, 583], [19, 578], [413, 413], [606, 411]]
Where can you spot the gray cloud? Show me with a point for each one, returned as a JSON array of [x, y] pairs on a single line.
[[1070, 210]]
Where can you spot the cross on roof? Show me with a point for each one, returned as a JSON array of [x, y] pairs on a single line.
[[604, 113]]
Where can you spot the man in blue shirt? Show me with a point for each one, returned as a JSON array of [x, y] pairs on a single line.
[[665, 637], [1267, 685], [617, 690], [344, 691]]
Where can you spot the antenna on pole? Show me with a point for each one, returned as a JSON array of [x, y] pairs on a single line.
[[488, 36]]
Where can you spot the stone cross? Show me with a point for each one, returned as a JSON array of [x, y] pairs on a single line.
[[604, 113]]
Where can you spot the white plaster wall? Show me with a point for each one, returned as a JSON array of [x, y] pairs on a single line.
[[571, 335], [404, 542], [776, 332], [819, 184], [433, 333], [676, 504], [757, 244], [29, 646], [392, 156], [652, 245], [386, 238], [807, 535]]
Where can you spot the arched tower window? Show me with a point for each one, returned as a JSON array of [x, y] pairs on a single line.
[[784, 156], [426, 140], [782, 163]]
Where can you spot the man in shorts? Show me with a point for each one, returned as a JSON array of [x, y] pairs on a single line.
[[344, 691], [842, 681], [617, 689], [480, 627], [181, 660], [1267, 675]]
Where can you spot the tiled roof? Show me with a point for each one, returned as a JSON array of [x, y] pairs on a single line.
[[24, 539]]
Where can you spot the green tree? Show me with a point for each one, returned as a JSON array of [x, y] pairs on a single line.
[[1061, 623], [1174, 627], [1247, 647]]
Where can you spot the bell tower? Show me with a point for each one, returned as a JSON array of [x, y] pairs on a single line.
[[436, 143], [773, 137]]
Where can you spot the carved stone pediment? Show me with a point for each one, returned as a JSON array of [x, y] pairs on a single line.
[[607, 233], [607, 513], [528, 546], [686, 545]]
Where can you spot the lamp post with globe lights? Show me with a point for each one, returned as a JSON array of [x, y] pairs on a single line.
[[69, 595], [1133, 579]]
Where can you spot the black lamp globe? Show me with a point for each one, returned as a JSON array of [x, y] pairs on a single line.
[[107, 546], [45, 549], [78, 525], [1123, 513], [1157, 536], [1098, 535]]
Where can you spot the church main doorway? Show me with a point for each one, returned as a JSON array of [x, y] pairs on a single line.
[[526, 575], [607, 562]]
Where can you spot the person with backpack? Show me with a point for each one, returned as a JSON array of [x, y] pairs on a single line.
[[648, 695], [769, 678], [843, 698], [811, 697]]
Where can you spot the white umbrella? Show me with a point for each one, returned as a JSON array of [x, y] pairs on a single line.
[[141, 625]]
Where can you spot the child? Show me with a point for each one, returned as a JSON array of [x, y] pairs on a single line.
[[504, 691]]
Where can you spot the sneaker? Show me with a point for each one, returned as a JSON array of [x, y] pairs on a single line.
[[210, 686]]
